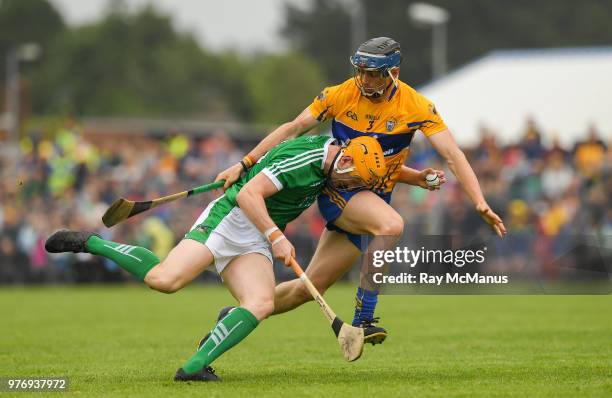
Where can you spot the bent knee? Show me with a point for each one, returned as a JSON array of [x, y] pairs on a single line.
[[261, 308], [163, 283], [392, 225]]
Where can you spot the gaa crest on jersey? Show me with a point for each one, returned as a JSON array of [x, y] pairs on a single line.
[[321, 95], [391, 124]]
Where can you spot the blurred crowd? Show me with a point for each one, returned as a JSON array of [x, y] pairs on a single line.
[[556, 203], [548, 195]]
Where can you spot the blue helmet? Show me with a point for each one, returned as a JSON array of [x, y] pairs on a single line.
[[379, 54]]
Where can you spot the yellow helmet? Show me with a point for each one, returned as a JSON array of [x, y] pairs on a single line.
[[368, 159]]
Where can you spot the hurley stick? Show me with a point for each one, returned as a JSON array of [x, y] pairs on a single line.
[[349, 337], [123, 209]]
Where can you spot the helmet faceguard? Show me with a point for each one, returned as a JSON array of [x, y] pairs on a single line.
[[373, 62], [367, 168], [371, 83]]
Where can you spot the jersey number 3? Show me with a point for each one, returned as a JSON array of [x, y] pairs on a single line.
[[371, 124]]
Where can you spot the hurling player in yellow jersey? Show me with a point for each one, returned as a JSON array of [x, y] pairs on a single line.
[[372, 103]]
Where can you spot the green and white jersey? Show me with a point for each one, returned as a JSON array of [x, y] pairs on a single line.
[[296, 168]]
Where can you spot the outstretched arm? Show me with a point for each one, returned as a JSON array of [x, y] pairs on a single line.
[[446, 146], [298, 126]]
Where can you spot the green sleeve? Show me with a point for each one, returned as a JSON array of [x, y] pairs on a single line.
[[301, 170]]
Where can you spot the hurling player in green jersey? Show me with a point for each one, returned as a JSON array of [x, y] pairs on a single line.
[[241, 232]]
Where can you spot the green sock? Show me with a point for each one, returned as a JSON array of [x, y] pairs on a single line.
[[136, 260], [228, 332]]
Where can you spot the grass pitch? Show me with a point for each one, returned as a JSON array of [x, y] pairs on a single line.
[[128, 341]]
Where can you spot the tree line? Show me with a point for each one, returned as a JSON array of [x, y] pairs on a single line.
[[136, 64]]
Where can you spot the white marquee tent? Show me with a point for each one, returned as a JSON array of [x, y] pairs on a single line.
[[564, 90]]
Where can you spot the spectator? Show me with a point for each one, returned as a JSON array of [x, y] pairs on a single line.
[[557, 176], [589, 155], [70, 181]]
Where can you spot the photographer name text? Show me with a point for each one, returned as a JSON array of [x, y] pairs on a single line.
[[438, 280]]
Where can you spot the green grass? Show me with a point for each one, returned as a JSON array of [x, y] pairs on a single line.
[[128, 341]]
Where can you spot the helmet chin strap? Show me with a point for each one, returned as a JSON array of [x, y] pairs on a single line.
[[332, 166], [393, 78], [375, 94]]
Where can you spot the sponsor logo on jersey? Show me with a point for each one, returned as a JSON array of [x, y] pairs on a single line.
[[307, 201]]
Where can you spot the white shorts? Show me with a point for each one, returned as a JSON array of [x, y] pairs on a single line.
[[234, 236]]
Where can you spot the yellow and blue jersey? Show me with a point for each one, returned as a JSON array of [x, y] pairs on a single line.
[[393, 121]]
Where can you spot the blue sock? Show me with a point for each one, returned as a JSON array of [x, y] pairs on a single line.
[[365, 306]]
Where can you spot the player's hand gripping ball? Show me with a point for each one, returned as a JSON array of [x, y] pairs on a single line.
[[432, 180]]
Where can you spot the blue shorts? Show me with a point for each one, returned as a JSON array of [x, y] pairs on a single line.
[[331, 203]]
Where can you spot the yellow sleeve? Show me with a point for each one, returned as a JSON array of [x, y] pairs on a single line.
[[432, 121], [322, 107]]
